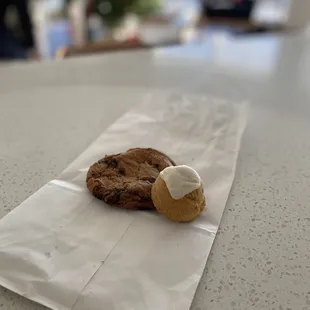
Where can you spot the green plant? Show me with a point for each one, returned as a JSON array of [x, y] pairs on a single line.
[[113, 11]]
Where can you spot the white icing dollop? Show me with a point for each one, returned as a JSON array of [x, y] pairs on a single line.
[[180, 180]]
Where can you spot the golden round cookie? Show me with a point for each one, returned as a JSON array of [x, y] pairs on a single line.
[[184, 210]]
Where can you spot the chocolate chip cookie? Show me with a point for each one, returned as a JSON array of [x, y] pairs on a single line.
[[125, 180]]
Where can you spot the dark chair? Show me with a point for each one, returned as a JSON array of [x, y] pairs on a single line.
[[240, 9]]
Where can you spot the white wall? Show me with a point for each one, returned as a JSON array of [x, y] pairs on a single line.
[[292, 13], [299, 13]]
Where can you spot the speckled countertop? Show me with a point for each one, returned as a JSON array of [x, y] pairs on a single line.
[[261, 255]]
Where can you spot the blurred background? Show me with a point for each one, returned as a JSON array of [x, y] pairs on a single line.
[[55, 29]]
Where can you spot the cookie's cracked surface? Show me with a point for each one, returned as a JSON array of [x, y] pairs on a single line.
[[125, 180]]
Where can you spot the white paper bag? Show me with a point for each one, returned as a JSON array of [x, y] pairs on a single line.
[[67, 250]]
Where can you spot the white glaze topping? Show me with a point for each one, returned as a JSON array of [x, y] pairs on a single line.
[[180, 180]]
